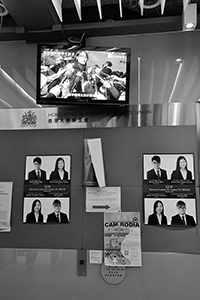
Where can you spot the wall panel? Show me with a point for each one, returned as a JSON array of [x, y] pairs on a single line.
[[122, 152]]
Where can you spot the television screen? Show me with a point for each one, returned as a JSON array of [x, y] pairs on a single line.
[[88, 75]]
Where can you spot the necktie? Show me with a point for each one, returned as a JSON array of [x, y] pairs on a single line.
[[183, 220], [158, 174], [38, 174], [57, 216]]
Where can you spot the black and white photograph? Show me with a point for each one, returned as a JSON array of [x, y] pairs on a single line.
[[173, 212], [176, 168], [46, 210], [169, 189], [41, 169], [47, 189]]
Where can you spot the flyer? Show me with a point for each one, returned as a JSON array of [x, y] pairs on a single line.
[[122, 239], [5, 205], [103, 199], [95, 256]]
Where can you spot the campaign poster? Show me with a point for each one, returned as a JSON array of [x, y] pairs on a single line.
[[5, 205], [169, 189], [122, 239], [47, 189]]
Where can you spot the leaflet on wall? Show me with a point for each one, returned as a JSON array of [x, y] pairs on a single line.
[[5, 205], [169, 189], [95, 257], [47, 188], [106, 199], [122, 239]]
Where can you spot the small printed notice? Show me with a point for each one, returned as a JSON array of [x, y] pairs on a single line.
[[95, 257], [122, 239], [5, 205], [105, 199]]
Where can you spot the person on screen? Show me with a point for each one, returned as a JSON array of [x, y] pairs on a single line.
[[35, 216], [57, 216], [110, 84], [59, 172], [71, 78], [181, 172], [45, 91], [156, 172], [37, 173], [182, 218], [158, 217]]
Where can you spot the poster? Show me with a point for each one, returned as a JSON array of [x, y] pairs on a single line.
[[169, 189], [47, 189], [5, 205], [122, 239]]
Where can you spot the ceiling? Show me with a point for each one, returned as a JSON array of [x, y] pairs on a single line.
[[36, 19]]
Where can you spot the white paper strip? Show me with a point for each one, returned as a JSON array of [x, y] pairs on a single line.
[[185, 3], [78, 8], [162, 6], [99, 8], [141, 2], [120, 8]]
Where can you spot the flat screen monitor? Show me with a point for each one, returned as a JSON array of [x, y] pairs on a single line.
[[88, 75]]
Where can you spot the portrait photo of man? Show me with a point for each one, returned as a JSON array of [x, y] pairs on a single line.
[[156, 172], [57, 216], [37, 173], [182, 219]]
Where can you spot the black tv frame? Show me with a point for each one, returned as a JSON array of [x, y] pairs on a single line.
[[117, 56]]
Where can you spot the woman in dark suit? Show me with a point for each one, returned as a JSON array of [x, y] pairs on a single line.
[[59, 172], [35, 216], [158, 217], [181, 172]]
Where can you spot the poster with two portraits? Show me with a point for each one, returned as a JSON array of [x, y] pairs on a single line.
[[47, 189], [169, 190]]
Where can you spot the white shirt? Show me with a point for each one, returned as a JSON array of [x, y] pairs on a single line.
[[36, 217], [61, 174], [183, 216], [58, 216], [184, 173], [159, 219]]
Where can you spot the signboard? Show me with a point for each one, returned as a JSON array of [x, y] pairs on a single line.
[[113, 275]]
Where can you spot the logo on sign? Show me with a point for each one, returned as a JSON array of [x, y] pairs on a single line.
[[29, 119]]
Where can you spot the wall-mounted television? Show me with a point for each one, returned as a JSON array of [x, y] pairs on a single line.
[[88, 75]]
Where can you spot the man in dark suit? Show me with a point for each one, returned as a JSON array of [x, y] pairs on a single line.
[[57, 216], [37, 173], [156, 172], [182, 218]]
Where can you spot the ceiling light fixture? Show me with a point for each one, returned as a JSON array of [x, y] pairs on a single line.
[[189, 17]]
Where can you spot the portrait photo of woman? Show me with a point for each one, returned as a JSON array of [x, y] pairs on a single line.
[[59, 172], [181, 172], [157, 217], [35, 216]]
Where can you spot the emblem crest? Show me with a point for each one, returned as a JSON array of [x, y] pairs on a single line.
[[29, 119]]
